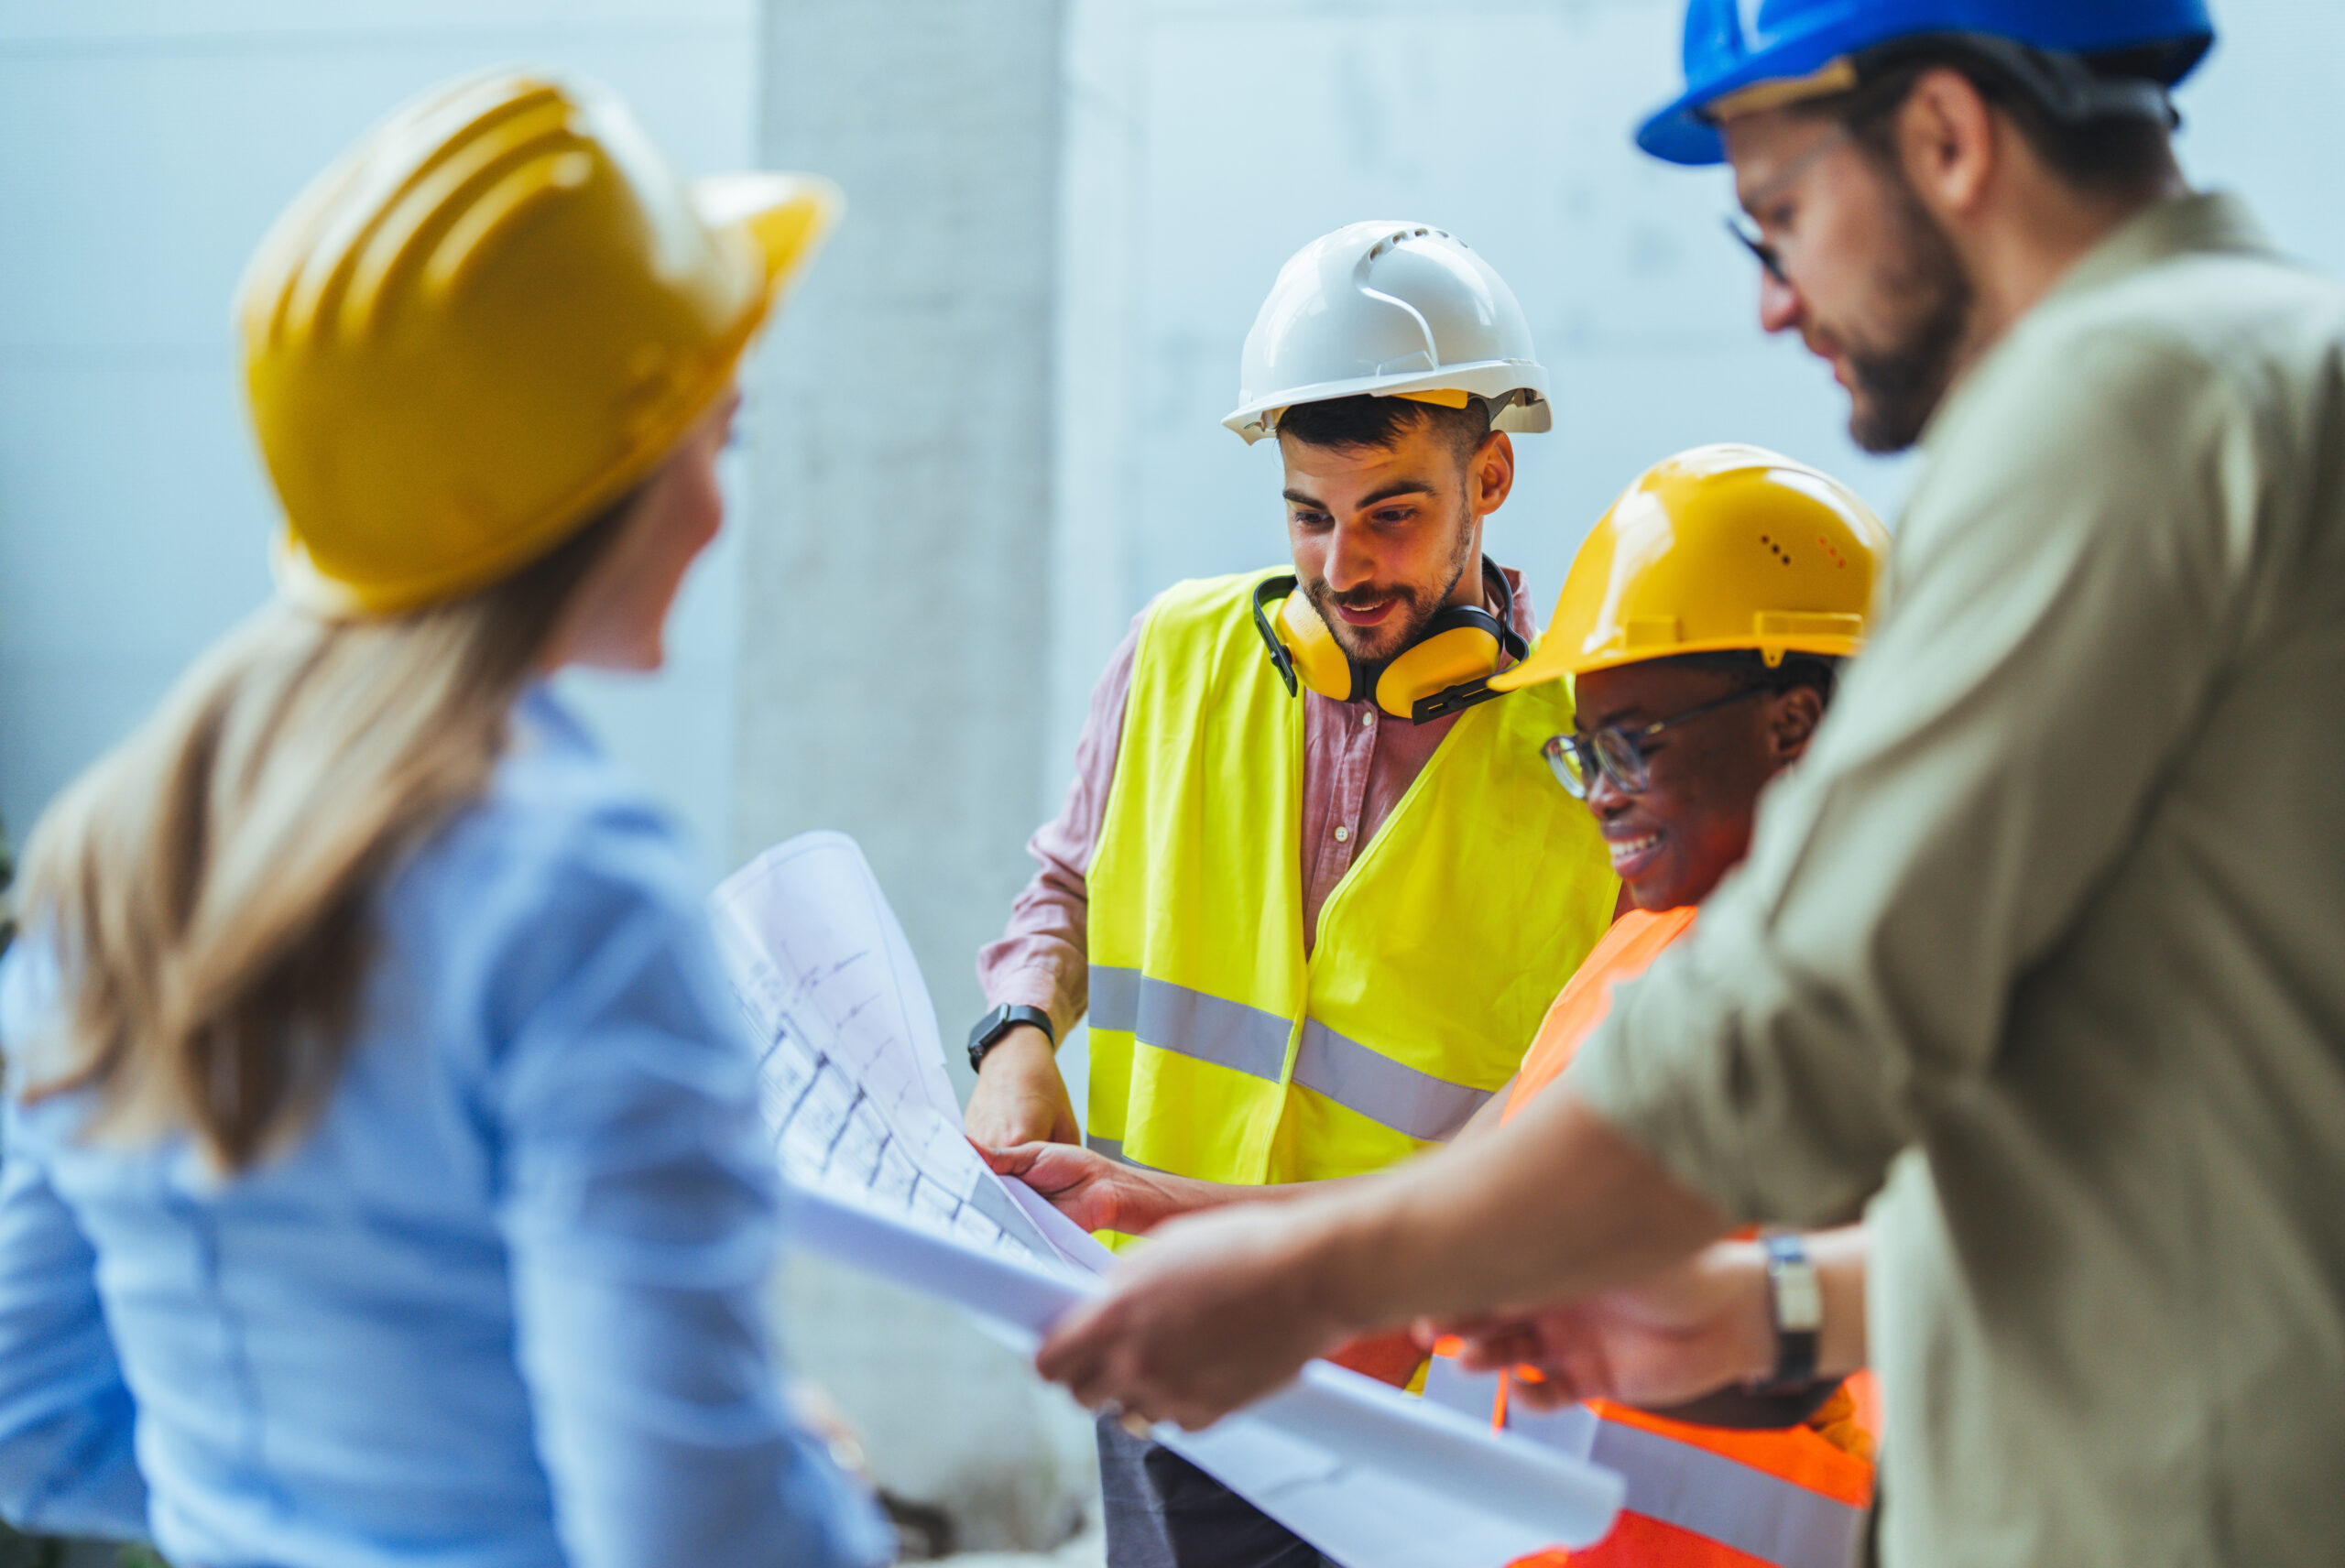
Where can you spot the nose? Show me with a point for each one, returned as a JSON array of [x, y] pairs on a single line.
[[1780, 306], [1606, 798], [1351, 563]]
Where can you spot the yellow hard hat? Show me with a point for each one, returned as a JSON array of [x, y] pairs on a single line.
[[486, 324], [1719, 548]]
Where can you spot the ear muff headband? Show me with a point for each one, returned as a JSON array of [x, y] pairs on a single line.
[[1445, 671]]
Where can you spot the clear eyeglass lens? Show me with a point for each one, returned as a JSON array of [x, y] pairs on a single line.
[[1621, 760], [1563, 761]]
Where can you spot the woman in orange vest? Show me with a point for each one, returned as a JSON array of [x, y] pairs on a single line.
[[1703, 625]]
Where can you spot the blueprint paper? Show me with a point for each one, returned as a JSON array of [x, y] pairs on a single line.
[[1370, 1475], [867, 1132], [852, 1077]]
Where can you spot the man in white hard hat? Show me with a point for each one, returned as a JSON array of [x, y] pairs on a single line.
[[1312, 886]]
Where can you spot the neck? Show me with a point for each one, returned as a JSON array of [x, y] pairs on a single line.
[[2018, 252], [1469, 588]]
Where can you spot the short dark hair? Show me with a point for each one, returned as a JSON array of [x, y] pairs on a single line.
[[1354, 424], [1818, 671], [2115, 155]]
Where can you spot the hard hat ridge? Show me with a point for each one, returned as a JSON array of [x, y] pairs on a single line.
[[1388, 308]]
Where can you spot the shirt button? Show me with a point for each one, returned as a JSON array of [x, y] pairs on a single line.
[[1368, 720], [1343, 834]]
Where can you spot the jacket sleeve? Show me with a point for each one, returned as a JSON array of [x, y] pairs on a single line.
[[2063, 603], [66, 1416], [639, 1208]]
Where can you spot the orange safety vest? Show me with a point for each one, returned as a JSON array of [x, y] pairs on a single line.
[[1698, 1496]]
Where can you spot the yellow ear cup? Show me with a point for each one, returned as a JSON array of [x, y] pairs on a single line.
[[1320, 662], [1443, 660]]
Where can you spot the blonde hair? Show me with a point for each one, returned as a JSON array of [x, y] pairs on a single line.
[[208, 886]]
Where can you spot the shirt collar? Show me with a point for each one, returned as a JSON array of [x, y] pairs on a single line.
[[543, 721], [2200, 224], [2180, 225]]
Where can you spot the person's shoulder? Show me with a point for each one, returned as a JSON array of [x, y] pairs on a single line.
[[559, 840], [2243, 323], [1194, 598], [30, 1005]]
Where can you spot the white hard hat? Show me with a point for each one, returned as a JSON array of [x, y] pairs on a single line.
[[1388, 308]]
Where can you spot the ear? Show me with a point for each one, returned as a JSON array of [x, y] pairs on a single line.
[[1948, 143], [1489, 474], [1792, 723]]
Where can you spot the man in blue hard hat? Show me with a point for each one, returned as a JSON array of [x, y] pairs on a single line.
[[2040, 950]]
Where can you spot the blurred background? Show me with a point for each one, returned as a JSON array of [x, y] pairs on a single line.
[[985, 432]]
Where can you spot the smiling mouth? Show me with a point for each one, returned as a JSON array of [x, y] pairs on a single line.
[[1631, 854], [1369, 616]]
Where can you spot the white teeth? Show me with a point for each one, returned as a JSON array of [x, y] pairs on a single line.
[[1629, 848]]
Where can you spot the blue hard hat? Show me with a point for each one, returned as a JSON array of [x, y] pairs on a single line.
[[1734, 44]]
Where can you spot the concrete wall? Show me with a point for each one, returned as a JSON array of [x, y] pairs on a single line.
[[1208, 139], [144, 148], [898, 572]]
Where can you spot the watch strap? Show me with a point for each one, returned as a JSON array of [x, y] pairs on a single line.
[[1795, 1300], [988, 1030]]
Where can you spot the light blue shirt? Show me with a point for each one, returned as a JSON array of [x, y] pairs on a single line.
[[501, 1306]]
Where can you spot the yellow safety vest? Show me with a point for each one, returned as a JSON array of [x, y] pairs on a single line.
[[1218, 1049]]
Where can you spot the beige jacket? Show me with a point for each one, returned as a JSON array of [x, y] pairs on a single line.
[[2048, 934]]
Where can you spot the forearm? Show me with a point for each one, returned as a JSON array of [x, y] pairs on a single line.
[[1555, 1204], [1839, 1257]]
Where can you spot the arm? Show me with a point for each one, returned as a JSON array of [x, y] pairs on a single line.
[[1987, 761], [1043, 958], [639, 1209], [1221, 1308], [1697, 1327], [66, 1414]]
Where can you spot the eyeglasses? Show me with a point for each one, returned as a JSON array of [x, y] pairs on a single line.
[[1618, 753], [1747, 234]]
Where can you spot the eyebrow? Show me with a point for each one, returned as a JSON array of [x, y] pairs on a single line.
[[1618, 716], [1398, 487]]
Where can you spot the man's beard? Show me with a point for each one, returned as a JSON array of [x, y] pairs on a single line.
[[1899, 385], [1415, 610]]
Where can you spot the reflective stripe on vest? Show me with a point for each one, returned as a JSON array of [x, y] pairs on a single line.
[[1247, 1039], [1679, 1483], [1218, 1050]]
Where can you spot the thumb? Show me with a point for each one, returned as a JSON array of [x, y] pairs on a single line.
[[1004, 1161]]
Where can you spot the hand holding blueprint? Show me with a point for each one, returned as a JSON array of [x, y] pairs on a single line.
[[869, 1133]]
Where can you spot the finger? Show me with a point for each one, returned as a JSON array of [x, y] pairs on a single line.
[[1070, 1353], [1548, 1394], [1498, 1348]]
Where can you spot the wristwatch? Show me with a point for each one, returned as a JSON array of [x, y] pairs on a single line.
[[1795, 1300], [999, 1022]]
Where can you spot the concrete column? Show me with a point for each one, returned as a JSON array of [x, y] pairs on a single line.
[[893, 677]]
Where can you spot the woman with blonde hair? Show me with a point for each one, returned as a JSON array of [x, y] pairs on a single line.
[[384, 1181]]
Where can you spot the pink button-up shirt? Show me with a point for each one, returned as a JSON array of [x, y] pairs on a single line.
[[1356, 763]]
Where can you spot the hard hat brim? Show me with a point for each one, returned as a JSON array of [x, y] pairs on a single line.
[[784, 218], [1489, 378], [1549, 661], [787, 215]]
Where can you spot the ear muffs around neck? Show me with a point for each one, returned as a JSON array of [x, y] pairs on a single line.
[[1444, 672]]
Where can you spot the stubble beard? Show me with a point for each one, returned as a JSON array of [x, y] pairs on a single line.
[[1899, 385], [1377, 645]]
